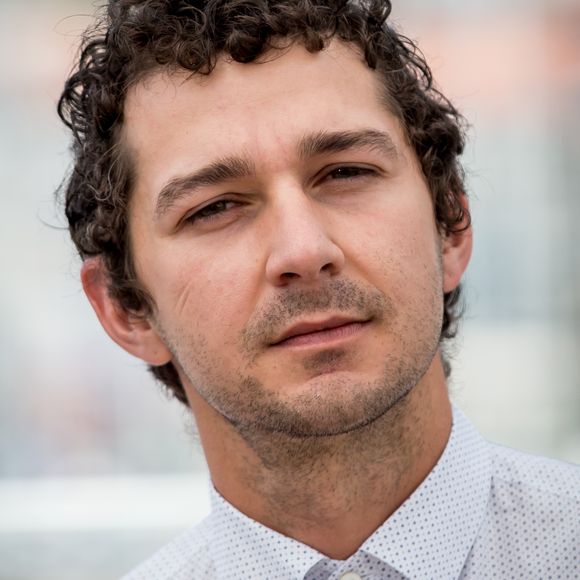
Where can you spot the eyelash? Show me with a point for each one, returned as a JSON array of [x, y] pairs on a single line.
[[210, 211], [350, 169]]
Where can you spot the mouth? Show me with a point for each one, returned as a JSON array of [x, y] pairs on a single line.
[[315, 333]]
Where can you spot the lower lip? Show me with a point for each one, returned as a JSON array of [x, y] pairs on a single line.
[[325, 337]]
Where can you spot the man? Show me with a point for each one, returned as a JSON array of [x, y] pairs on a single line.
[[270, 208]]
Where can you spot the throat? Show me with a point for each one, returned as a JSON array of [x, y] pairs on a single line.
[[332, 493]]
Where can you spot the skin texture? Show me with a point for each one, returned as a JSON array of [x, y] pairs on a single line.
[[323, 435]]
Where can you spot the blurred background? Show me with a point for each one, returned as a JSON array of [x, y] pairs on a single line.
[[97, 467]]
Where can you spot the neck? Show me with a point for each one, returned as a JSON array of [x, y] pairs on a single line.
[[332, 493]]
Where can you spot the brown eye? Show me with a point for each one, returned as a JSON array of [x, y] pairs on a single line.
[[350, 172], [212, 211]]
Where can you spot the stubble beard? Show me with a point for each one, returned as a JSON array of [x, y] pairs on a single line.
[[279, 426]]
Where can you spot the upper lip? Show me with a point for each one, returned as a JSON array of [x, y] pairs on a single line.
[[314, 326]]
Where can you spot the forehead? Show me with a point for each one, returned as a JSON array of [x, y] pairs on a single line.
[[334, 69], [261, 107]]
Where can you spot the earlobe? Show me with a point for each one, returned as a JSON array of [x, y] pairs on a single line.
[[457, 247], [134, 334]]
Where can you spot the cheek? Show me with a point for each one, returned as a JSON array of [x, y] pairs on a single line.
[[402, 241], [209, 296]]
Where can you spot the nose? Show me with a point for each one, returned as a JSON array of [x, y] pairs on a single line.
[[301, 247]]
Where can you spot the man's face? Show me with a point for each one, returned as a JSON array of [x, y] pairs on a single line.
[[283, 228]]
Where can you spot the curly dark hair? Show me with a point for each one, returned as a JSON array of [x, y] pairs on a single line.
[[132, 38]]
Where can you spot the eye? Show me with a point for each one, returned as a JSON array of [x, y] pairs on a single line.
[[349, 172], [210, 212]]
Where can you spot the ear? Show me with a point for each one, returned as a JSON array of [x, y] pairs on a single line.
[[457, 251], [133, 333]]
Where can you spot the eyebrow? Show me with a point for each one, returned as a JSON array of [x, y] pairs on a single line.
[[213, 174], [228, 168], [337, 141]]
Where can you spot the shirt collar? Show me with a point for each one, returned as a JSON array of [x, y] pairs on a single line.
[[458, 487], [256, 551], [440, 521]]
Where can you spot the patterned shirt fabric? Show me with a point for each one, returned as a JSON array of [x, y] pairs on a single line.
[[484, 512]]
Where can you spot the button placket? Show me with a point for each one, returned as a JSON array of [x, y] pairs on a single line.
[[350, 576]]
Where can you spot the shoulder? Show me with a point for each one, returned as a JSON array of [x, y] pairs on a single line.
[[185, 557], [532, 525], [535, 495], [536, 475]]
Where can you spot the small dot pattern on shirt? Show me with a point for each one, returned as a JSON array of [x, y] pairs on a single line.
[[484, 512], [361, 565]]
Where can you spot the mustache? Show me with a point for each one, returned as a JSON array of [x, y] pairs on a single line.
[[336, 296]]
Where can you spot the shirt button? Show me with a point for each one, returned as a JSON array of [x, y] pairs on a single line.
[[350, 576]]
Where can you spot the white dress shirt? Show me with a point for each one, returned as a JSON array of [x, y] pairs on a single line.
[[484, 512]]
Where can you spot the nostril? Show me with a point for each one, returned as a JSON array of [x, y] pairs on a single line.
[[289, 275]]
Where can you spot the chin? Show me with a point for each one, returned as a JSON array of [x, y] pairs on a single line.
[[329, 404]]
